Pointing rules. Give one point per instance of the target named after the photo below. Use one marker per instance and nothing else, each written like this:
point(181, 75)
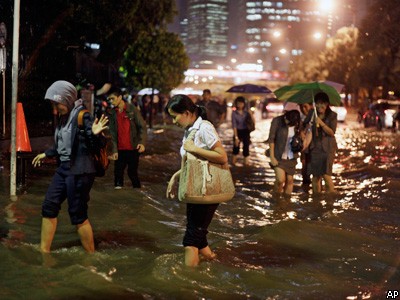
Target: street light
point(293, 46)
point(317, 35)
point(327, 5)
point(276, 34)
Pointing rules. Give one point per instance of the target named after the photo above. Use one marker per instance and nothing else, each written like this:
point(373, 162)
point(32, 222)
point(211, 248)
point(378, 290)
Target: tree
point(307, 67)
point(73, 24)
point(155, 60)
point(341, 55)
point(337, 62)
point(56, 34)
point(368, 71)
point(380, 37)
point(341, 58)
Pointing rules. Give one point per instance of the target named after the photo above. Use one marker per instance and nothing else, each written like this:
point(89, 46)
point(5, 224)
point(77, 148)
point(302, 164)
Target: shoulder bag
point(250, 122)
point(204, 182)
point(297, 143)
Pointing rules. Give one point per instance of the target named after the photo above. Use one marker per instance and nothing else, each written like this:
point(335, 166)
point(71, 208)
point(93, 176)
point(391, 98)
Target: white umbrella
point(291, 106)
point(336, 85)
point(148, 91)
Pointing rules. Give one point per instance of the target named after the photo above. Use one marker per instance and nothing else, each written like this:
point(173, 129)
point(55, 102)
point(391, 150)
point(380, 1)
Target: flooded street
point(343, 246)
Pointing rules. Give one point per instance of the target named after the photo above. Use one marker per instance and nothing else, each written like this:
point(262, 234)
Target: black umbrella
point(249, 89)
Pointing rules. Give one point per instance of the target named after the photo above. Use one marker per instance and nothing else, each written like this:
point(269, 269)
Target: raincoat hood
point(62, 92)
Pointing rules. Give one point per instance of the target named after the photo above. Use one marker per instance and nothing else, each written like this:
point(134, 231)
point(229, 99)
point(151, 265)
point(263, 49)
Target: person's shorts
point(74, 188)
point(288, 165)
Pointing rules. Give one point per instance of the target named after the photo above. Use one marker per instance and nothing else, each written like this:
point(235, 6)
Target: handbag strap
point(206, 176)
point(204, 164)
point(191, 135)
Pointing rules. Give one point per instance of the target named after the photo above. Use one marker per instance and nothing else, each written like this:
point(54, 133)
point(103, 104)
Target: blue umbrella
point(249, 89)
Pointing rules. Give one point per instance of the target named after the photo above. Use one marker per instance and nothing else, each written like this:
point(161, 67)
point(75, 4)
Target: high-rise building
point(207, 31)
point(179, 25)
point(278, 30)
point(268, 34)
point(237, 27)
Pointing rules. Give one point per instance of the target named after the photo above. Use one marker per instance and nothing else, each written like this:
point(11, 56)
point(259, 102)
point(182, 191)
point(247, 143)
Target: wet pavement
point(342, 246)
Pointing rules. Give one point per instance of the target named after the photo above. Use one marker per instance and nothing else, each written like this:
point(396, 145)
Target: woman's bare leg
point(49, 226)
point(191, 256)
point(85, 232)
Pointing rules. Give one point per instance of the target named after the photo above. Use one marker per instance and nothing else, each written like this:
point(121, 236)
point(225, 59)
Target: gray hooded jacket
point(72, 144)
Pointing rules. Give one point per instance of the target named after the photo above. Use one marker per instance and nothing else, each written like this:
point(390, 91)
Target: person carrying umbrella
point(304, 155)
point(323, 145)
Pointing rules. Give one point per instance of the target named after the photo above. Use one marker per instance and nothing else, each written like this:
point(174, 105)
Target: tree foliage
point(49, 28)
point(336, 62)
point(341, 57)
point(380, 41)
point(54, 35)
point(366, 58)
point(307, 67)
point(156, 60)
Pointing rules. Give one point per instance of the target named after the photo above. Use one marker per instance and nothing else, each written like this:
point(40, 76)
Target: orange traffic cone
point(23, 143)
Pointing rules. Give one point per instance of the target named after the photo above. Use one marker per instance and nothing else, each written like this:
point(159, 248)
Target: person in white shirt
point(206, 144)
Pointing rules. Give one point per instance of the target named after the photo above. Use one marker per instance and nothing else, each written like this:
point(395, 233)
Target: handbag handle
point(191, 135)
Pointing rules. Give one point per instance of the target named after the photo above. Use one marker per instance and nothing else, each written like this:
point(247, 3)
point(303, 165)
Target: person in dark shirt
point(396, 119)
point(323, 145)
point(283, 159)
point(214, 110)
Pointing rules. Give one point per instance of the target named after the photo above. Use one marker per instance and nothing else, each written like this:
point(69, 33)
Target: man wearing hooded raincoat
point(75, 174)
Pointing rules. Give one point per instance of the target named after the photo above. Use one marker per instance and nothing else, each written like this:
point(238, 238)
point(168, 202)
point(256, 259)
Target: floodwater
point(343, 246)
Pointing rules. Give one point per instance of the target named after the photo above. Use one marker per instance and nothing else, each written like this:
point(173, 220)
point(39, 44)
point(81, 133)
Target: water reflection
point(302, 247)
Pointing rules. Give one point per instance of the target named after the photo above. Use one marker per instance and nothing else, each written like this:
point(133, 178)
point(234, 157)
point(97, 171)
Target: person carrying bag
point(202, 181)
point(201, 150)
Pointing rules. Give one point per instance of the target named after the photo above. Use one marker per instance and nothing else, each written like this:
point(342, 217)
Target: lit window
point(254, 17)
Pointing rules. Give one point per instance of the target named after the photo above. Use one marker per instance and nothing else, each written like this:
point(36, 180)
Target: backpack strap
point(80, 117)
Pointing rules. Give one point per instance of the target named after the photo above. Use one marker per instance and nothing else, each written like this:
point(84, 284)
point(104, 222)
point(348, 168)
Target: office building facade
point(207, 31)
point(276, 31)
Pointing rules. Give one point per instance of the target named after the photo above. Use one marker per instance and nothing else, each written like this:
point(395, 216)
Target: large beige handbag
point(203, 182)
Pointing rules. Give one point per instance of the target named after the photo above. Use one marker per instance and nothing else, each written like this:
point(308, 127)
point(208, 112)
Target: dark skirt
point(321, 162)
point(288, 165)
